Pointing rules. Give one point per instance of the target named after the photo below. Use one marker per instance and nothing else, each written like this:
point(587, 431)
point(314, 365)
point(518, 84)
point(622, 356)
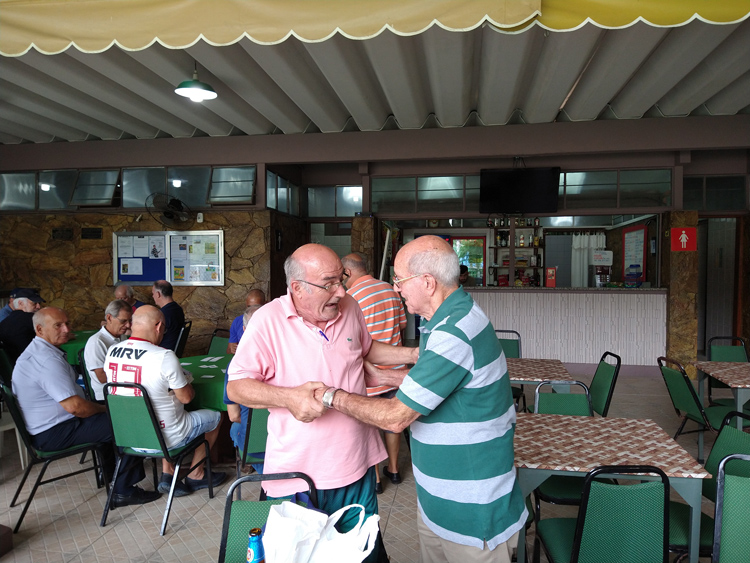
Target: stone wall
point(76, 274)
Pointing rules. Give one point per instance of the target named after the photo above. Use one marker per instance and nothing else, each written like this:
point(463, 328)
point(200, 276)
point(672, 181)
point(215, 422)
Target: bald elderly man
point(255, 298)
point(314, 337)
point(169, 388)
point(125, 293)
point(56, 414)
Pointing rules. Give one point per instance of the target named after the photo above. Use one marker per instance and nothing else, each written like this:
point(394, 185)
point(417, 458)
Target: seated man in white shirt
point(169, 388)
point(117, 318)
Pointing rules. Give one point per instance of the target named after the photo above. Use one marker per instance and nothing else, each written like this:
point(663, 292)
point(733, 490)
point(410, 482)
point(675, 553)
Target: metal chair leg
point(20, 486)
point(110, 495)
point(170, 497)
point(31, 496)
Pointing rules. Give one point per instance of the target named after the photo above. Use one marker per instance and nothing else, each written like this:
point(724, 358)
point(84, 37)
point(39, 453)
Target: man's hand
point(303, 405)
point(414, 354)
point(232, 348)
point(375, 377)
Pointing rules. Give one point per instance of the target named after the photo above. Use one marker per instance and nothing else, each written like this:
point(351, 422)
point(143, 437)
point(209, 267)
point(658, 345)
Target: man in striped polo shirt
point(385, 319)
point(458, 401)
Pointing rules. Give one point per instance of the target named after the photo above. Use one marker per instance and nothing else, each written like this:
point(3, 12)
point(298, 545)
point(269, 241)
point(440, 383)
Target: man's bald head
point(255, 297)
point(431, 255)
point(148, 324)
point(52, 324)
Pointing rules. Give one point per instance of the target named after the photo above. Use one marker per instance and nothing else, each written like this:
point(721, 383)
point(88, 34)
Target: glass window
point(692, 193)
point(139, 183)
point(294, 200)
point(55, 188)
point(348, 200)
point(189, 184)
point(440, 193)
point(645, 188)
point(586, 190)
point(472, 193)
point(271, 180)
point(282, 195)
point(321, 202)
point(396, 195)
point(18, 190)
point(233, 185)
point(725, 193)
point(95, 187)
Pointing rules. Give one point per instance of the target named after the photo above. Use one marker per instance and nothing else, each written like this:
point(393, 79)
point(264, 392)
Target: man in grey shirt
point(55, 412)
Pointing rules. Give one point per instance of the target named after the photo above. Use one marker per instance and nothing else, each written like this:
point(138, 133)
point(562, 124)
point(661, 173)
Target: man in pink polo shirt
point(314, 336)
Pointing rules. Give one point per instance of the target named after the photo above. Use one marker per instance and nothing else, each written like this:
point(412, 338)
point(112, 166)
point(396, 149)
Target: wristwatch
point(328, 397)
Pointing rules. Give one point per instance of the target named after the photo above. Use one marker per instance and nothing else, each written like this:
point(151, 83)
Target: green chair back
point(90, 395)
point(731, 524)
point(15, 413)
point(727, 352)
point(681, 391)
point(603, 385)
point(179, 348)
point(510, 340)
point(623, 523)
point(256, 435)
point(240, 516)
point(729, 441)
point(218, 346)
point(572, 404)
point(134, 423)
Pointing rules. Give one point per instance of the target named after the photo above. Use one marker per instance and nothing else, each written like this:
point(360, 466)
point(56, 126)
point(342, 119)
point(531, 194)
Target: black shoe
point(394, 477)
point(217, 478)
point(180, 488)
point(136, 496)
point(379, 488)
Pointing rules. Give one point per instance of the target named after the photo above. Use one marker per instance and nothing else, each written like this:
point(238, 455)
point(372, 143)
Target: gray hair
point(115, 307)
point(18, 301)
point(128, 290)
point(249, 312)
point(294, 270)
point(441, 265)
point(355, 261)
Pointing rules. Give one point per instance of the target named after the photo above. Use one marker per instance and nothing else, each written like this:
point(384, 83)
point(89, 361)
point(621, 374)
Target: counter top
point(569, 289)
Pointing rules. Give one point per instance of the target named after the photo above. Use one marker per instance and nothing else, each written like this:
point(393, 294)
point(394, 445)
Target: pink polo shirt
point(279, 348)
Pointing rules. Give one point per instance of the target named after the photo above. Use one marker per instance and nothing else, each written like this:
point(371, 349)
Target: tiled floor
point(62, 524)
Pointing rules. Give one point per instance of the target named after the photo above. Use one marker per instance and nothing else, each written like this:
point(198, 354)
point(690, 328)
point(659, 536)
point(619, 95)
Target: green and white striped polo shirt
point(462, 445)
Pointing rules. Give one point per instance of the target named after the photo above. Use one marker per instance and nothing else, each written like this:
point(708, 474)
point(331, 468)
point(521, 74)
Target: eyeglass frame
point(398, 281)
point(331, 287)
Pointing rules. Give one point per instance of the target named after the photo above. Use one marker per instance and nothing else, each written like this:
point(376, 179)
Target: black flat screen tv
point(519, 190)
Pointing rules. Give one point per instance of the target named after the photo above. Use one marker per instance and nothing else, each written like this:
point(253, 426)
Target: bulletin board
point(180, 257)
point(634, 250)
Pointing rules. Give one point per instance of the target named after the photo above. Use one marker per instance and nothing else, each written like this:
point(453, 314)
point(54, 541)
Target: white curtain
point(583, 246)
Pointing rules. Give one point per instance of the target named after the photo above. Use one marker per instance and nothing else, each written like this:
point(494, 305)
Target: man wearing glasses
point(459, 406)
point(315, 337)
point(117, 318)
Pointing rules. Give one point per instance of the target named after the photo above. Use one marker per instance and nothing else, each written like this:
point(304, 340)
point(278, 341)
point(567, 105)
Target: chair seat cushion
point(79, 447)
point(557, 535)
point(561, 489)
point(246, 515)
point(679, 528)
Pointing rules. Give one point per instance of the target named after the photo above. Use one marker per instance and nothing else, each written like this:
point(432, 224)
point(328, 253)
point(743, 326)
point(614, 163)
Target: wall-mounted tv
point(519, 190)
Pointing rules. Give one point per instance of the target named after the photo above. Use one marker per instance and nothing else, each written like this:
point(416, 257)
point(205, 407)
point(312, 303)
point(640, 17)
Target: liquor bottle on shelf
point(536, 221)
point(522, 242)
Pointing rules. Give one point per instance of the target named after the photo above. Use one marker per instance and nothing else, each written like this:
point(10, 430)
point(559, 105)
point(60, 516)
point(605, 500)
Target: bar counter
point(578, 325)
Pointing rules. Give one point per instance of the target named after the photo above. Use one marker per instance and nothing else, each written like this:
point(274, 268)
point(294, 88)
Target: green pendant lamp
point(194, 89)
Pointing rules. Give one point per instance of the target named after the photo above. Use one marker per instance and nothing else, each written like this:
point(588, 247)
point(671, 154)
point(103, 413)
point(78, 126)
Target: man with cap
point(17, 330)
point(8, 309)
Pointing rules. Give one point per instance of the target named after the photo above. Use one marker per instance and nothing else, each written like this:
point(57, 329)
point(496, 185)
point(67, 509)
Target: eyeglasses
point(397, 282)
point(331, 287)
point(123, 321)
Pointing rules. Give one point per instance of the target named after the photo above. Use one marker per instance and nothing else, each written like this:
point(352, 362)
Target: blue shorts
point(203, 420)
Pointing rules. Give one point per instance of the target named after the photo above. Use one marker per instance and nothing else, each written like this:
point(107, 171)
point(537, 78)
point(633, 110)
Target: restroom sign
point(684, 238)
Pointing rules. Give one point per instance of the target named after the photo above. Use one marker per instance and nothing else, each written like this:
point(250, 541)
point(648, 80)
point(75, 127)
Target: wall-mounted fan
point(170, 211)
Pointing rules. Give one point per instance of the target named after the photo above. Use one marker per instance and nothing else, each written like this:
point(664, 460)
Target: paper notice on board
point(131, 267)
point(125, 247)
point(178, 273)
point(140, 246)
point(156, 247)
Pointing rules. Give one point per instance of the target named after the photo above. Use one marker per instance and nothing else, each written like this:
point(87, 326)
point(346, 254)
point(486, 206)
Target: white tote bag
point(353, 546)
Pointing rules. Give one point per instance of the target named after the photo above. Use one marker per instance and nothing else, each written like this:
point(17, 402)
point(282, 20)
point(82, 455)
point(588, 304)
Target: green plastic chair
point(732, 526)
point(240, 516)
point(687, 405)
point(134, 425)
point(510, 340)
point(37, 456)
point(179, 348)
point(6, 367)
point(623, 523)
point(219, 342)
point(256, 434)
point(729, 441)
point(571, 404)
point(726, 352)
point(88, 391)
point(603, 384)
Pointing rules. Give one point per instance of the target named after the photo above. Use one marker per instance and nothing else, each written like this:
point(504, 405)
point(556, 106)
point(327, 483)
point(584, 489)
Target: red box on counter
point(550, 277)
